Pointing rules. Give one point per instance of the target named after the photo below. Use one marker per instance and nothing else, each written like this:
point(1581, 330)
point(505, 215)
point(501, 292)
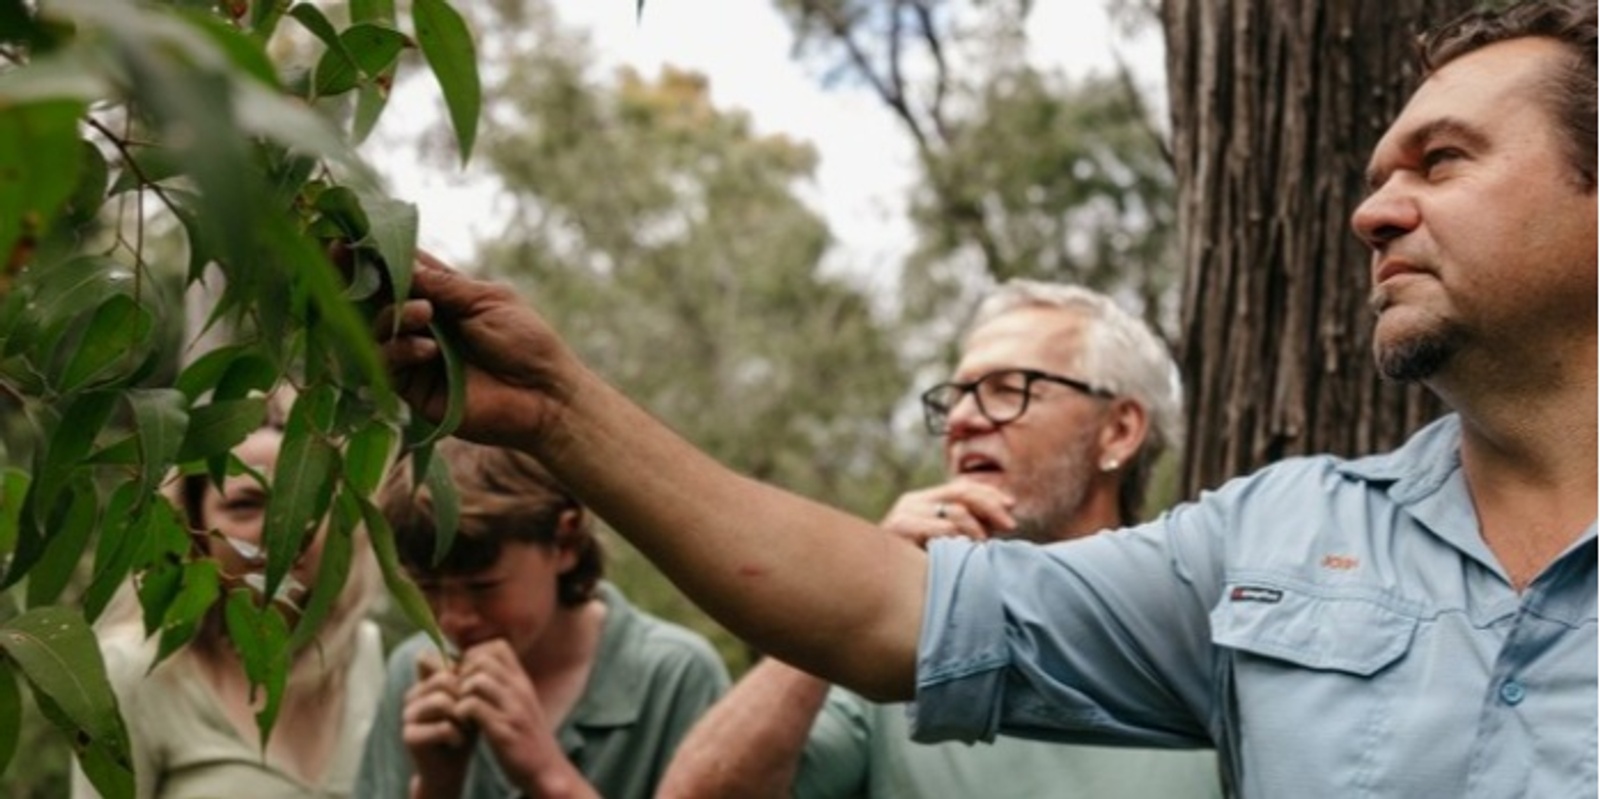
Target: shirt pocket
point(1326, 632)
point(1312, 677)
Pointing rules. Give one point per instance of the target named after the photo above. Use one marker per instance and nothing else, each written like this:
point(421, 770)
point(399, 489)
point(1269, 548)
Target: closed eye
point(1438, 156)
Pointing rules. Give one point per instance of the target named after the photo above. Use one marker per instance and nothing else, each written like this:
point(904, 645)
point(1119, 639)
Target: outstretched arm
point(817, 587)
point(749, 744)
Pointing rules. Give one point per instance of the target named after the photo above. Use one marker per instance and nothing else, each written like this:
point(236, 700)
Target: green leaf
point(216, 428)
point(245, 52)
point(201, 587)
point(136, 532)
point(114, 344)
point(371, 49)
point(446, 507)
point(70, 526)
point(302, 483)
point(55, 650)
point(90, 193)
point(70, 444)
point(317, 23)
point(402, 590)
point(10, 713)
point(158, 587)
point(161, 418)
point(341, 205)
point(13, 490)
point(250, 372)
point(447, 45)
point(261, 637)
point(338, 552)
point(264, 16)
point(377, 11)
point(366, 457)
point(394, 231)
point(202, 375)
point(418, 433)
point(39, 163)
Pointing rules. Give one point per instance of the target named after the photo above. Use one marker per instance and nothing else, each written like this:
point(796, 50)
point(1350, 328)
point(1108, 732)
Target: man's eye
point(1438, 156)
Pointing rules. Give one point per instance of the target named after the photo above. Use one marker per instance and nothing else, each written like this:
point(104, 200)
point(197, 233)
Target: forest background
point(678, 245)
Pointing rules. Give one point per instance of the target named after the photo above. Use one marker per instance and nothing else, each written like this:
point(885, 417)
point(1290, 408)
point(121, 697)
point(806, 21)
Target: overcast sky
point(743, 48)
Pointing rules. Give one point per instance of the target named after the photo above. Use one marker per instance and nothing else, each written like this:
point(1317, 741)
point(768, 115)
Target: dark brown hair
point(505, 496)
point(1568, 90)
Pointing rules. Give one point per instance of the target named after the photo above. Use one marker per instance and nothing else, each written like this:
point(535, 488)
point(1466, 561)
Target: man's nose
point(966, 419)
point(1387, 214)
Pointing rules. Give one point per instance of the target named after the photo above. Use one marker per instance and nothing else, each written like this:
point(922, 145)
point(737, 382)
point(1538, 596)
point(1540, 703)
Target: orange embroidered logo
point(1342, 563)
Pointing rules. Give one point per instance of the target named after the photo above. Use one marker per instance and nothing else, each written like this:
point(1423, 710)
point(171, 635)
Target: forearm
point(792, 576)
point(750, 743)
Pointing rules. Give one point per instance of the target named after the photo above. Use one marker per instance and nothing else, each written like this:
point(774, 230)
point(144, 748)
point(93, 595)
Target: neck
point(569, 642)
point(1097, 512)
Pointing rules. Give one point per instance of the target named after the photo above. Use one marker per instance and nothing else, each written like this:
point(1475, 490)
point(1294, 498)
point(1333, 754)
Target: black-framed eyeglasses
point(1002, 396)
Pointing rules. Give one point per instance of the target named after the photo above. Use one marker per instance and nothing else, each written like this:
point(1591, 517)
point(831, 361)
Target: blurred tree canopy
point(667, 239)
point(1023, 172)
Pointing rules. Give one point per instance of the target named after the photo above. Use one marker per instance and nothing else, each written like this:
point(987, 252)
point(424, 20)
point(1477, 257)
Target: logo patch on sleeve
point(1254, 593)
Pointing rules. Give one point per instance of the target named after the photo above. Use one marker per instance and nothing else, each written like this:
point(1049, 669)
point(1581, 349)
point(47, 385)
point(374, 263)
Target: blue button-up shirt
point(1335, 628)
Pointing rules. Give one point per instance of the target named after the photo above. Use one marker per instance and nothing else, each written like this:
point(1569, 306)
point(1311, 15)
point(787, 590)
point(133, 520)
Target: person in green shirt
point(556, 686)
point(1058, 409)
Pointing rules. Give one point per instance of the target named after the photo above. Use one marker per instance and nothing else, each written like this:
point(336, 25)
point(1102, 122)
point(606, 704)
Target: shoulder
point(655, 643)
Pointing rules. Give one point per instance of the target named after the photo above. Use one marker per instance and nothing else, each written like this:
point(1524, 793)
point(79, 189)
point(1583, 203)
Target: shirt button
point(1512, 692)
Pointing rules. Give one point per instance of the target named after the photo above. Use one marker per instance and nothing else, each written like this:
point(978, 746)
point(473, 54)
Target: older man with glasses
point(1058, 409)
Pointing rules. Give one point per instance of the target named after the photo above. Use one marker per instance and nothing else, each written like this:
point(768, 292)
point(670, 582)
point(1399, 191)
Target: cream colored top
point(184, 746)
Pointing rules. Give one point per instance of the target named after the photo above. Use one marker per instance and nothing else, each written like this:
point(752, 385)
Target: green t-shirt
point(650, 681)
point(863, 749)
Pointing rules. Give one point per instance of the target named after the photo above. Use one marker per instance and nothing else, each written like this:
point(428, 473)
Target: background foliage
point(231, 126)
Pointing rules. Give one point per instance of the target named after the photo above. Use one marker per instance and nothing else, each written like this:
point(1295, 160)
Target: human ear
point(1122, 433)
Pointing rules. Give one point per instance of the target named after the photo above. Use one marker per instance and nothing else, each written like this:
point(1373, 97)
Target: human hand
point(956, 508)
point(516, 368)
point(436, 737)
point(501, 701)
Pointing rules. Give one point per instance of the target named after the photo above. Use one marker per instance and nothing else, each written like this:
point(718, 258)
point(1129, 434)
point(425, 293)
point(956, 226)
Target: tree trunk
point(1276, 106)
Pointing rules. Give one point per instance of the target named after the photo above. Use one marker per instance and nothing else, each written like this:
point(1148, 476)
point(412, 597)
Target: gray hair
point(1120, 353)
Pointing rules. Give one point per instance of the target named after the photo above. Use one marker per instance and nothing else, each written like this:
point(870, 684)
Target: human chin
point(1413, 355)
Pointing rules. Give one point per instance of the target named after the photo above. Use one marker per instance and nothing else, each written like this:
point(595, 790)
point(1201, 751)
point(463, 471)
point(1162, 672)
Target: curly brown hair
point(505, 496)
point(1568, 90)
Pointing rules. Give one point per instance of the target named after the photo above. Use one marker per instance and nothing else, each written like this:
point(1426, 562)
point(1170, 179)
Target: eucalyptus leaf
point(218, 427)
point(372, 49)
point(333, 571)
point(10, 713)
point(413, 605)
point(302, 484)
point(70, 525)
point(55, 650)
point(113, 554)
point(446, 507)
point(13, 490)
point(366, 456)
point(117, 335)
point(261, 637)
point(394, 232)
point(201, 585)
point(161, 419)
point(447, 45)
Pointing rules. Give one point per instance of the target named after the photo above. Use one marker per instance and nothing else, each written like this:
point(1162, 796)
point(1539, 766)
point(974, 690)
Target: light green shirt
point(859, 748)
point(184, 747)
point(651, 680)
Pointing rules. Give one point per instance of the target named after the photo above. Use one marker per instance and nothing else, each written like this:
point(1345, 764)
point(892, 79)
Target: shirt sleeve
point(833, 764)
point(1102, 640)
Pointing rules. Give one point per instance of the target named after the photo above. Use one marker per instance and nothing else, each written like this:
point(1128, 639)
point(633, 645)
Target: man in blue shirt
point(1415, 624)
